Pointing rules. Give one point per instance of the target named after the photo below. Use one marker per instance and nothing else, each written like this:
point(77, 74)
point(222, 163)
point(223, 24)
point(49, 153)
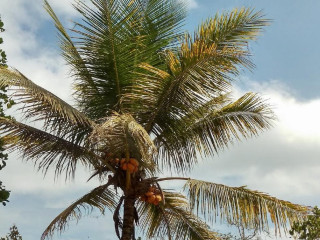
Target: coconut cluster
point(132, 165)
point(153, 196)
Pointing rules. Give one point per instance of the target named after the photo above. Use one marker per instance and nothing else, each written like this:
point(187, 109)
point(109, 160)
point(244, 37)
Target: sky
point(283, 161)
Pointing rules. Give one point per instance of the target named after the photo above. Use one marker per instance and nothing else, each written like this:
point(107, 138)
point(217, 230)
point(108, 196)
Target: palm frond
point(197, 71)
point(141, 99)
point(40, 104)
point(175, 218)
point(120, 133)
point(107, 45)
point(112, 39)
point(161, 24)
point(197, 74)
point(205, 63)
point(99, 53)
point(234, 29)
point(71, 54)
point(45, 149)
point(211, 127)
point(100, 198)
point(252, 209)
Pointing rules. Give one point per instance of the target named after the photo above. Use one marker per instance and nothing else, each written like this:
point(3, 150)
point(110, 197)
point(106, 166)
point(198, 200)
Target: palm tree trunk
point(128, 218)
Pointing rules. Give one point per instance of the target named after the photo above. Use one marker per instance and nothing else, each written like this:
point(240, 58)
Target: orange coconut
point(151, 198)
point(148, 194)
point(134, 162)
point(130, 167)
point(125, 166)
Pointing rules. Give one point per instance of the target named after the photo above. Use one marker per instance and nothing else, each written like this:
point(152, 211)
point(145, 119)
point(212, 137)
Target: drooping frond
point(45, 149)
point(173, 219)
point(40, 104)
point(121, 133)
point(211, 127)
point(71, 54)
point(99, 198)
point(252, 209)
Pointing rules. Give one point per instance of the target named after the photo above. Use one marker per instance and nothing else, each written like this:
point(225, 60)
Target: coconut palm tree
point(149, 98)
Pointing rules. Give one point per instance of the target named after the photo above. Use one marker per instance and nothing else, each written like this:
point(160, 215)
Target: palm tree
point(149, 98)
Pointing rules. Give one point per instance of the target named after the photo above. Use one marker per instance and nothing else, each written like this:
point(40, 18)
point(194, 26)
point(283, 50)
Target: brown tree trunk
point(128, 218)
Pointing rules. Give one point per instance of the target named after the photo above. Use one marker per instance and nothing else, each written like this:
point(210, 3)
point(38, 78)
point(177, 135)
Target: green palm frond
point(99, 53)
point(112, 39)
point(161, 28)
point(234, 29)
point(202, 66)
point(210, 128)
point(107, 43)
point(252, 209)
point(197, 74)
point(120, 133)
point(45, 149)
point(141, 99)
point(40, 104)
point(174, 218)
point(99, 198)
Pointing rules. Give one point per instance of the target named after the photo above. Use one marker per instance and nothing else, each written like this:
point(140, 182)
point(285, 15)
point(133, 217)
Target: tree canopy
point(150, 98)
point(13, 234)
point(309, 228)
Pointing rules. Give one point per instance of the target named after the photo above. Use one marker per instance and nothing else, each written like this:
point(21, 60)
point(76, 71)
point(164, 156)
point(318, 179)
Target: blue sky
point(288, 50)
point(283, 161)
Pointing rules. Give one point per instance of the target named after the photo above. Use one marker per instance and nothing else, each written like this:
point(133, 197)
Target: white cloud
point(27, 52)
point(297, 119)
point(283, 161)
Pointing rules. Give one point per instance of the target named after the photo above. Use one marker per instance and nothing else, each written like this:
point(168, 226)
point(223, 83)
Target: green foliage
point(308, 229)
point(4, 194)
point(3, 56)
point(5, 102)
point(13, 234)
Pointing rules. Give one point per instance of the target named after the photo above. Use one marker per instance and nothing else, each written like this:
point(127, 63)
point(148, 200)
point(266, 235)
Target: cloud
point(283, 161)
point(297, 118)
point(25, 24)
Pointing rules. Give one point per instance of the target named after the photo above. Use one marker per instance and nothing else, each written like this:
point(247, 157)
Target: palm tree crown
point(149, 97)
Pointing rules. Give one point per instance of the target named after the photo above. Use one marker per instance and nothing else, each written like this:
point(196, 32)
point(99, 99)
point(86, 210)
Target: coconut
point(159, 198)
point(130, 167)
point(134, 162)
point(125, 166)
point(151, 198)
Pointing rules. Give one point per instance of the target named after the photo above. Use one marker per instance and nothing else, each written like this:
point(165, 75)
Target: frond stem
point(114, 56)
point(172, 178)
